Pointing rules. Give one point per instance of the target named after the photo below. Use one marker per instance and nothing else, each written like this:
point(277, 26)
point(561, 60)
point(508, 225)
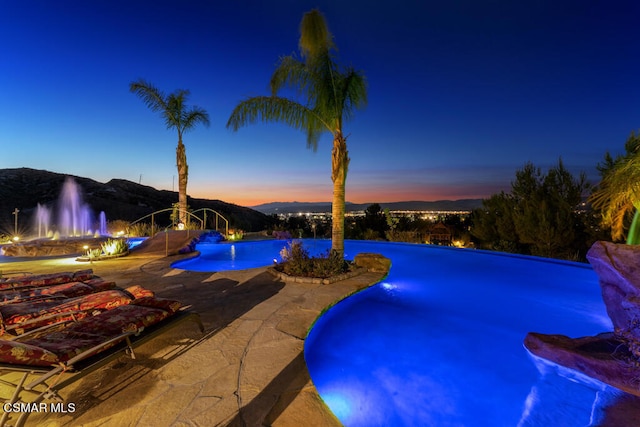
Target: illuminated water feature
point(439, 341)
point(74, 217)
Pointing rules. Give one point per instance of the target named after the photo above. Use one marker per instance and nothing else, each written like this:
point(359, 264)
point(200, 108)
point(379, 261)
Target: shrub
point(284, 235)
point(115, 247)
point(331, 264)
point(235, 234)
point(141, 229)
point(94, 253)
point(297, 262)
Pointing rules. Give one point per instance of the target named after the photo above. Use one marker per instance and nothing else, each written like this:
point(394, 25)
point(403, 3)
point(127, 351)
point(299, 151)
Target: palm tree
point(618, 194)
point(176, 115)
point(329, 96)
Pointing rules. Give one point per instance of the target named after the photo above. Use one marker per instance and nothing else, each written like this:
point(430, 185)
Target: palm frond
point(278, 109)
point(172, 114)
point(353, 90)
point(150, 95)
point(618, 194)
point(193, 117)
point(315, 36)
point(327, 94)
point(290, 73)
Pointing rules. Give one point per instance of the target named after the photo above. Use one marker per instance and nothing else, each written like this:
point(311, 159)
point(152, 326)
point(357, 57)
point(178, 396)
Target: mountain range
point(25, 188)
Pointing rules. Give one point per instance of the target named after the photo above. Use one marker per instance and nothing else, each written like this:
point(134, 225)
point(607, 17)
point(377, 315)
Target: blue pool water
point(439, 341)
point(244, 254)
point(135, 241)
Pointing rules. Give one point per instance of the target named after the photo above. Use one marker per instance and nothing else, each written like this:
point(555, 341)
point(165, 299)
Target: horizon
point(314, 202)
point(461, 95)
point(365, 203)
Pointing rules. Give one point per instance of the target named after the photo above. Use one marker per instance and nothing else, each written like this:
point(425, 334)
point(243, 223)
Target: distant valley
point(440, 205)
point(24, 188)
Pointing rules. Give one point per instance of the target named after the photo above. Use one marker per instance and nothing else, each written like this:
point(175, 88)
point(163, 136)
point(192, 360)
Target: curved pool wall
point(440, 341)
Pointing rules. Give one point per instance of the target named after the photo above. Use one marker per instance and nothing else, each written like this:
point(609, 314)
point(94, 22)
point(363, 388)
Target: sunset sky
point(461, 93)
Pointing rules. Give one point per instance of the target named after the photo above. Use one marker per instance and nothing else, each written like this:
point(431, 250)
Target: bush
point(115, 247)
point(297, 262)
point(94, 253)
point(331, 264)
point(141, 229)
point(277, 234)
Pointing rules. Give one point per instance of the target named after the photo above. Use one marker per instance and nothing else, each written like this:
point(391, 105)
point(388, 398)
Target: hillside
point(24, 188)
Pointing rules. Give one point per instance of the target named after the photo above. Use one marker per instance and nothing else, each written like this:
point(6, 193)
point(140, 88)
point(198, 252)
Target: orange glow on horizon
point(360, 197)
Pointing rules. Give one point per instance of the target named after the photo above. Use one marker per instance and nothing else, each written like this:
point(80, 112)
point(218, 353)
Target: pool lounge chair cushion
point(139, 292)
point(63, 290)
point(66, 290)
point(101, 332)
point(19, 353)
point(36, 280)
point(29, 311)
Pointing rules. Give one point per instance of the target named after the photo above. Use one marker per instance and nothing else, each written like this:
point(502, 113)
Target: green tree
point(617, 196)
point(374, 222)
point(176, 114)
point(493, 224)
point(546, 209)
point(538, 217)
point(328, 95)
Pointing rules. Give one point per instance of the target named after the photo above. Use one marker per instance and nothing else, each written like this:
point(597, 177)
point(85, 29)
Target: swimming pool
point(135, 241)
point(244, 254)
point(440, 341)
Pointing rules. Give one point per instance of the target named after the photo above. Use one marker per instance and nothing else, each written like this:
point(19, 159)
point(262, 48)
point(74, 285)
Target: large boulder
point(50, 248)
point(618, 268)
point(372, 262)
point(613, 357)
point(603, 357)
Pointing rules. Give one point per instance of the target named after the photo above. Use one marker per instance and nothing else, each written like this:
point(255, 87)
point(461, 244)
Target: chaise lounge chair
point(19, 317)
point(81, 348)
point(40, 280)
point(63, 290)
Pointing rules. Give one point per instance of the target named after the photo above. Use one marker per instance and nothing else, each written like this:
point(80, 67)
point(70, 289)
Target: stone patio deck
point(247, 370)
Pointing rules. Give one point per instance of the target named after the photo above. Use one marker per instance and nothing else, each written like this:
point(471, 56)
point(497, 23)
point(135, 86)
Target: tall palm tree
point(328, 95)
point(618, 194)
point(176, 115)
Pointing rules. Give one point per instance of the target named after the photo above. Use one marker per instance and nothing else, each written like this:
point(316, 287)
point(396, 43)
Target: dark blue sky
point(461, 93)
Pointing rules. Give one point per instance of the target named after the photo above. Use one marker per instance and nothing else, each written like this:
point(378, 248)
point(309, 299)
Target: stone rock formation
point(604, 357)
point(618, 267)
point(614, 357)
point(48, 247)
point(376, 263)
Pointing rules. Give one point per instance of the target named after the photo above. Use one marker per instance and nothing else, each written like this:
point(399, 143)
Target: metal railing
point(218, 216)
point(202, 222)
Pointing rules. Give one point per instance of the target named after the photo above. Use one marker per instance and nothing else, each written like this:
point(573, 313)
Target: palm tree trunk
point(340, 165)
point(183, 176)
